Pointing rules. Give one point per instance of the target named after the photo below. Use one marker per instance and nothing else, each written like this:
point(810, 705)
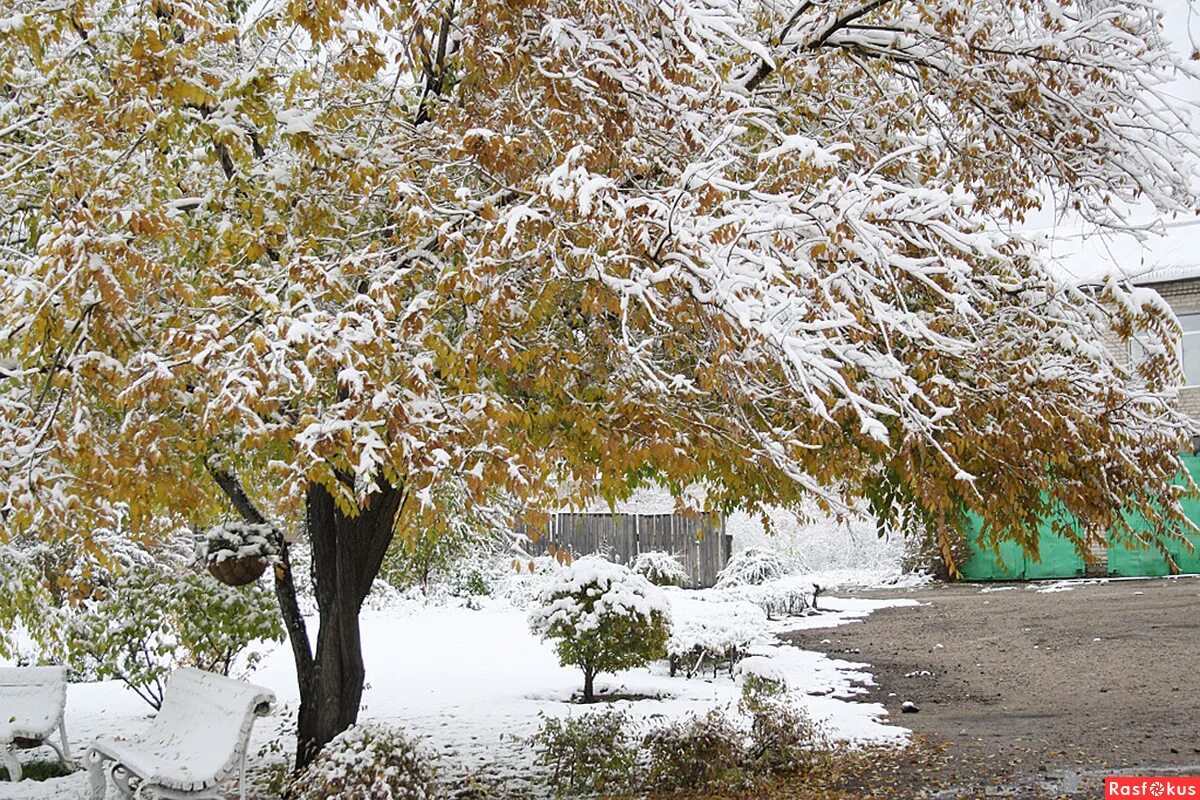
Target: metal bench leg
point(63, 751)
point(95, 767)
point(12, 762)
point(66, 748)
point(127, 783)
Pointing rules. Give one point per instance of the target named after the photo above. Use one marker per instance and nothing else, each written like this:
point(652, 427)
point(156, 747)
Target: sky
point(1085, 254)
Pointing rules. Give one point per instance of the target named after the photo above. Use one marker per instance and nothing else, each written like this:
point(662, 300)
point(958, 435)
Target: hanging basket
point(238, 571)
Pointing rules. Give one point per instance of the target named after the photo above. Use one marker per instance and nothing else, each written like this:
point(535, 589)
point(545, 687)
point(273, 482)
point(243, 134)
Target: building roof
point(1168, 274)
point(1169, 252)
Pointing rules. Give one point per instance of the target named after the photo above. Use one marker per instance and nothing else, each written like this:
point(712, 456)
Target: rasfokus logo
point(1138, 786)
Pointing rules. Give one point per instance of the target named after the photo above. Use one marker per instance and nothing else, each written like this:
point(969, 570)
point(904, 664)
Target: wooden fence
point(700, 542)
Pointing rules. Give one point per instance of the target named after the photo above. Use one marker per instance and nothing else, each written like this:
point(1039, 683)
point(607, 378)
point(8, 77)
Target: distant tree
point(417, 554)
point(311, 260)
point(602, 617)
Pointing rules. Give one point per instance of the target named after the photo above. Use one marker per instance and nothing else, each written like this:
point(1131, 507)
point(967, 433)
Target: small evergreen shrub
point(589, 754)
point(698, 753)
point(661, 569)
point(473, 584)
point(751, 567)
point(367, 762)
point(602, 617)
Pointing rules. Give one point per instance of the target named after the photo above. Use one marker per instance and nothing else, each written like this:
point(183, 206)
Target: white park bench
point(198, 739)
point(32, 701)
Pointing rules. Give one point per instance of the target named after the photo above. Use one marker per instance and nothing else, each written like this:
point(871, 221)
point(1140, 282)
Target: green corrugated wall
point(1058, 558)
point(1148, 561)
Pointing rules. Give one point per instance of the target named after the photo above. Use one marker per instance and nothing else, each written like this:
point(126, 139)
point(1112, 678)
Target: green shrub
point(473, 584)
point(603, 618)
point(367, 762)
point(599, 754)
point(589, 754)
point(151, 621)
point(28, 603)
point(783, 737)
point(698, 753)
point(429, 550)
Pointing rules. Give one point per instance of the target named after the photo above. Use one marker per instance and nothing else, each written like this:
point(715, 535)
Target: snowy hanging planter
point(237, 553)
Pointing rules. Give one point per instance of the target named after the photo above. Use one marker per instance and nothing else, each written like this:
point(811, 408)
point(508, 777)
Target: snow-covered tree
point(153, 620)
point(311, 260)
point(602, 617)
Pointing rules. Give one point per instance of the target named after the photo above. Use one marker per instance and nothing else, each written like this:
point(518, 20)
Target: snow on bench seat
point(32, 702)
point(198, 739)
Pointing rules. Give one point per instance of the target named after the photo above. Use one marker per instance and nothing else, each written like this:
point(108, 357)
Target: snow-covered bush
point(472, 584)
point(589, 754)
point(521, 582)
point(661, 569)
point(788, 596)
point(430, 552)
point(480, 572)
point(151, 621)
point(603, 617)
point(696, 754)
point(751, 567)
point(236, 539)
point(367, 762)
point(711, 633)
point(44, 577)
point(814, 541)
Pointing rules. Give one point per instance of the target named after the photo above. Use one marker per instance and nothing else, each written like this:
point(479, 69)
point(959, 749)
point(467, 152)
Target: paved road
point(1039, 691)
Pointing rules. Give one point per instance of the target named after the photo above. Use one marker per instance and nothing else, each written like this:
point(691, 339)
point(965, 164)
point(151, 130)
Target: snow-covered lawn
point(473, 682)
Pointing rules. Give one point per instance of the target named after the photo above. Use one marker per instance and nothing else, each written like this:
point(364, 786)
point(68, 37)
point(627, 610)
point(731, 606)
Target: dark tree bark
point(285, 587)
point(589, 682)
point(347, 552)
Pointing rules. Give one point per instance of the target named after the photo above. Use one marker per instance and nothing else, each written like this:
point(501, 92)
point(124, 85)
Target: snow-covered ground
point(472, 683)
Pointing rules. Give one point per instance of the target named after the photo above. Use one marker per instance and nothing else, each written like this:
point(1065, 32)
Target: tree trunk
point(589, 680)
point(347, 553)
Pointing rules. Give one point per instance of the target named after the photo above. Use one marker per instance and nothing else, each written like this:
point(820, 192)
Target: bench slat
point(199, 736)
point(32, 701)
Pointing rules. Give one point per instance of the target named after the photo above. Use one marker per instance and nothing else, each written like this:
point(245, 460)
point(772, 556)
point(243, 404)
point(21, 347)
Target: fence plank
point(699, 542)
